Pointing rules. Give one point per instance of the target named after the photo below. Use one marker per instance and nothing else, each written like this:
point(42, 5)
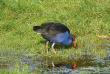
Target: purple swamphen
point(55, 33)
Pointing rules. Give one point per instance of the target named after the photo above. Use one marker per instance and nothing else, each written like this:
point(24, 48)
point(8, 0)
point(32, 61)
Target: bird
point(55, 33)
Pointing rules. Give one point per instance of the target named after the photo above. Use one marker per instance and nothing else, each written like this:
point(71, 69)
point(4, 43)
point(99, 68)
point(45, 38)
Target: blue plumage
point(62, 38)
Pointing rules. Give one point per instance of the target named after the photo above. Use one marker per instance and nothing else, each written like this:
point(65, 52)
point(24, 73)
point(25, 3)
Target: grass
point(87, 19)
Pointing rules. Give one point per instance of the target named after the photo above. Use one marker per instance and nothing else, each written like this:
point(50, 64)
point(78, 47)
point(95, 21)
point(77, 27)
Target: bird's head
point(73, 37)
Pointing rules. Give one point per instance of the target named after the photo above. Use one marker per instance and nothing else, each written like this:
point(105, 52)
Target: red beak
point(74, 42)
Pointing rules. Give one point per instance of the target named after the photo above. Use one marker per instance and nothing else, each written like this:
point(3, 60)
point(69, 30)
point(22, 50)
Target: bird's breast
point(62, 38)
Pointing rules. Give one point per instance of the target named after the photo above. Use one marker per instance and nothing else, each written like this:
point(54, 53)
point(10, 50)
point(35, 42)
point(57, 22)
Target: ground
point(87, 19)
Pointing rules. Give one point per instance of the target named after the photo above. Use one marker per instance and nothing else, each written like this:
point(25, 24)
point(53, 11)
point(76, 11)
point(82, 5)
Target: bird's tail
point(37, 29)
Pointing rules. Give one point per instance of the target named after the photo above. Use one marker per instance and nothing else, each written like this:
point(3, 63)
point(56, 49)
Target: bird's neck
point(70, 40)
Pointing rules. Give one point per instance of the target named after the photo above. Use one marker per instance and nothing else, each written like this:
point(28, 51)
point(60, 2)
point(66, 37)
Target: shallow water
point(86, 63)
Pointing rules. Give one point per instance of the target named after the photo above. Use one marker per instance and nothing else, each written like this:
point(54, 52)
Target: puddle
point(84, 64)
point(43, 64)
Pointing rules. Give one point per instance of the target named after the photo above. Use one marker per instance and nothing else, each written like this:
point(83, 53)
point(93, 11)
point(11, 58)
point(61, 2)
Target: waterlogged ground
point(85, 63)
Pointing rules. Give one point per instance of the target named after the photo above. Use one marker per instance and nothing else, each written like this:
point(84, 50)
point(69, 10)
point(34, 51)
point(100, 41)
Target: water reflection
point(60, 65)
point(84, 63)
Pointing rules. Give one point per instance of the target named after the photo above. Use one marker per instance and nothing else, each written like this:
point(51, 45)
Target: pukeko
point(55, 33)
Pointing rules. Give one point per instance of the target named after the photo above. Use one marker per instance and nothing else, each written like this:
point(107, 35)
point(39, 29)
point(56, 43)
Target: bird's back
point(53, 29)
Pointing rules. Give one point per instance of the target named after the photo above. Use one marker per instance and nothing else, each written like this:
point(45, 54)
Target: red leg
point(53, 47)
point(47, 46)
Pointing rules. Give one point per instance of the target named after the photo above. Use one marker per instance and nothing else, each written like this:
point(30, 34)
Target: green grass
point(87, 19)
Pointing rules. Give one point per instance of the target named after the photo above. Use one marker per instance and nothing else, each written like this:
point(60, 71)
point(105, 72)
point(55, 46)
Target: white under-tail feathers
point(38, 33)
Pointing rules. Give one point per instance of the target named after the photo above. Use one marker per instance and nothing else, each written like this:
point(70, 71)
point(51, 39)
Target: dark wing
point(52, 29)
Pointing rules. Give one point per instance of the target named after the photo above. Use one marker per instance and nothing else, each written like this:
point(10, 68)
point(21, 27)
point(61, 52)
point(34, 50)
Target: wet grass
point(87, 19)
